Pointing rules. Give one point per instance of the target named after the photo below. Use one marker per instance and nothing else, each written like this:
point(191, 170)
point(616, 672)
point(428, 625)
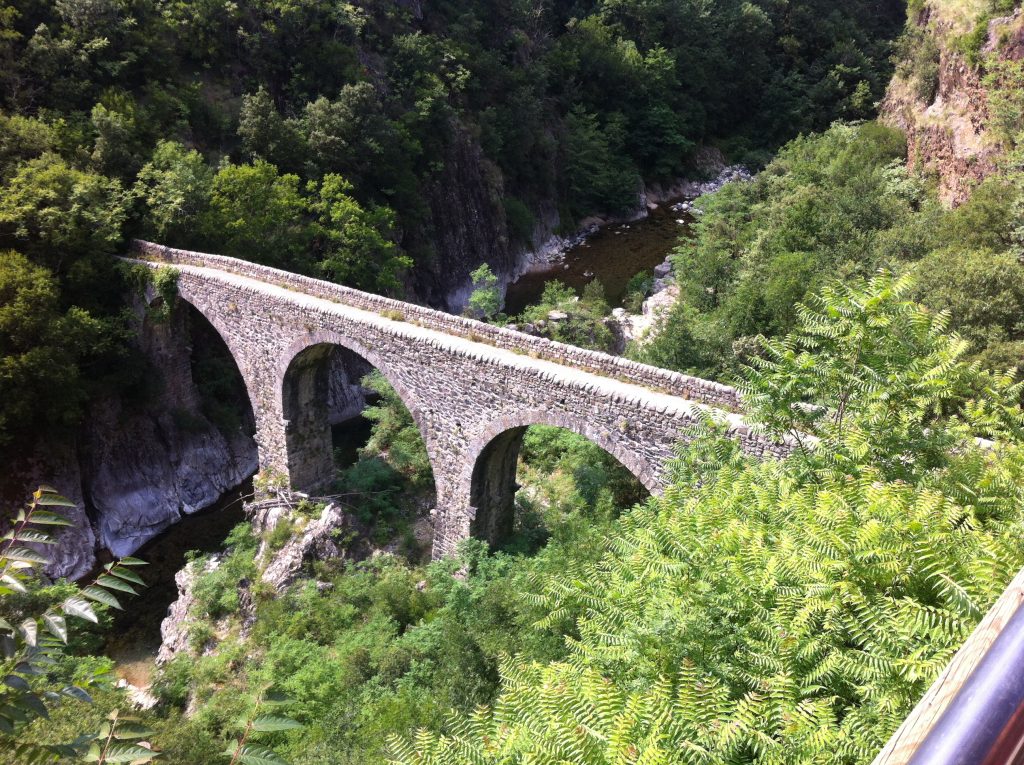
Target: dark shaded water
point(136, 633)
point(613, 255)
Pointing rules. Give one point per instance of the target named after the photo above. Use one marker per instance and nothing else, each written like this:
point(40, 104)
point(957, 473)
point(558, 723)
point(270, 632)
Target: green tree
point(485, 299)
point(600, 175)
point(258, 214)
point(175, 187)
point(42, 347)
point(355, 245)
point(876, 379)
point(59, 216)
point(266, 134)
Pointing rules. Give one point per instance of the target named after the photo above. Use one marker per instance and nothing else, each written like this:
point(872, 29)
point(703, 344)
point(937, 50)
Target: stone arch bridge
point(472, 388)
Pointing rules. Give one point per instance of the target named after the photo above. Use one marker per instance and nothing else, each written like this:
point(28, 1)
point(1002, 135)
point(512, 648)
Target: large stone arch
point(487, 479)
point(307, 439)
point(233, 344)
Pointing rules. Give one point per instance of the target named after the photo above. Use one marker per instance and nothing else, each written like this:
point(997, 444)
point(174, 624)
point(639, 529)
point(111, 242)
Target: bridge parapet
point(684, 386)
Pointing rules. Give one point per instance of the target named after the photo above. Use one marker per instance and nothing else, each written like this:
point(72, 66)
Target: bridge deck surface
point(564, 373)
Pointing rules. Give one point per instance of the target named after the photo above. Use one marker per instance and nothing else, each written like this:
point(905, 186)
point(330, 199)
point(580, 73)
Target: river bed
point(135, 636)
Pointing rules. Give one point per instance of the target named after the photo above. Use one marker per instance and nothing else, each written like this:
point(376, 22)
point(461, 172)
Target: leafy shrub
point(782, 611)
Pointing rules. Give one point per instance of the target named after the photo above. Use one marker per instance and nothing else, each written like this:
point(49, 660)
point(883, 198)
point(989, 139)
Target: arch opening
point(353, 436)
point(199, 377)
point(532, 482)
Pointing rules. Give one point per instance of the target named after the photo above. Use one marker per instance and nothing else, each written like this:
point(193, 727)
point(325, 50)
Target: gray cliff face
point(144, 467)
point(135, 468)
point(467, 225)
point(143, 472)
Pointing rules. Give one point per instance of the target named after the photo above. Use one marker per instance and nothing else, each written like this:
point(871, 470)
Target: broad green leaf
point(32, 703)
point(128, 576)
point(17, 682)
point(44, 518)
point(252, 754)
point(113, 583)
point(271, 723)
point(26, 555)
point(74, 692)
point(127, 731)
point(37, 536)
point(101, 596)
point(76, 606)
point(13, 582)
point(128, 753)
point(29, 630)
point(54, 500)
point(57, 625)
point(129, 561)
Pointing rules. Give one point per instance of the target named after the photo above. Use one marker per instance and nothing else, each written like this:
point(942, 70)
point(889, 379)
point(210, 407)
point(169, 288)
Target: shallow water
point(613, 255)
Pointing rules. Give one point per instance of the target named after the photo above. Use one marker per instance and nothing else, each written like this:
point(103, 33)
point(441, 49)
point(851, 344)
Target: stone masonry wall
point(706, 391)
point(462, 392)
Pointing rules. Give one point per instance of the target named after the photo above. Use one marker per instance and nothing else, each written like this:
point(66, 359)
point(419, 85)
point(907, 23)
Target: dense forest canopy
point(842, 204)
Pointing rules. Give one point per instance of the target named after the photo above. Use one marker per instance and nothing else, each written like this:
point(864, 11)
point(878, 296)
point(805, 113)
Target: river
point(613, 255)
point(135, 637)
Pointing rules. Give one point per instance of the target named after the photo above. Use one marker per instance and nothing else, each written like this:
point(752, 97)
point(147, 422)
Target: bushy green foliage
point(384, 647)
point(485, 300)
point(355, 245)
point(601, 177)
point(784, 611)
point(838, 205)
point(174, 186)
point(216, 593)
point(865, 349)
point(395, 433)
point(584, 321)
point(61, 305)
point(34, 631)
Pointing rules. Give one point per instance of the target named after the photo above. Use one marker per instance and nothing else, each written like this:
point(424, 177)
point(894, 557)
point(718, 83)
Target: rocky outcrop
point(313, 539)
point(943, 106)
point(174, 629)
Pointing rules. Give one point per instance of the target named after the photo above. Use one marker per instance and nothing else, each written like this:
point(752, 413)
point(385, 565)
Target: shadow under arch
point(489, 477)
point(217, 375)
point(304, 381)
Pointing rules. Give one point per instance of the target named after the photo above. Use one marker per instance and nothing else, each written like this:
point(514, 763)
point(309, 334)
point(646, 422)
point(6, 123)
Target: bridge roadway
point(471, 388)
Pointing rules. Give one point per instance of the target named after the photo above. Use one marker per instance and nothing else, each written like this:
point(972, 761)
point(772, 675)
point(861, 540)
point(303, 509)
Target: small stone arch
point(488, 475)
point(309, 453)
